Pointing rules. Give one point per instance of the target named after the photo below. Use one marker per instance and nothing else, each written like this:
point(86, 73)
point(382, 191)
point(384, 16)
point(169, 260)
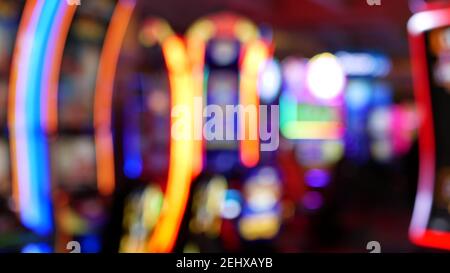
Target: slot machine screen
point(438, 53)
point(74, 159)
point(222, 90)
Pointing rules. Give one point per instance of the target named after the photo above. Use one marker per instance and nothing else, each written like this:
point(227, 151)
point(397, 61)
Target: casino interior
point(273, 126)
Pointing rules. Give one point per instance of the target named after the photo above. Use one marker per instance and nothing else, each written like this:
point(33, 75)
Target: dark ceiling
point(306, 26)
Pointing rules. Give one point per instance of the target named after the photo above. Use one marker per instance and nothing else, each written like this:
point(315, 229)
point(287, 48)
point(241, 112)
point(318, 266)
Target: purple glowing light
point(317, 178)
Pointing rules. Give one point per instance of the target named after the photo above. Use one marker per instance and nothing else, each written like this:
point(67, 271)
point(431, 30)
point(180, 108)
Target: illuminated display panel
point(311, 108)
point(222, 87)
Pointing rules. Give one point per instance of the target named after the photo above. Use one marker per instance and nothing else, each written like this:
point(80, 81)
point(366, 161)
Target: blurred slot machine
point(79, 204)
point(366, 98)
point(15, 237)
point(429, 31)
point(311, 117)
point(143, 133)
point(235, 196)
point(152, 161)
point(312, 126)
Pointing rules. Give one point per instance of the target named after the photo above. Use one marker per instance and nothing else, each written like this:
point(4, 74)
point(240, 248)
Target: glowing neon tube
point(256, 54)
point(104, 95)
point(179, 180)
point(34, 51)
point(419, 231)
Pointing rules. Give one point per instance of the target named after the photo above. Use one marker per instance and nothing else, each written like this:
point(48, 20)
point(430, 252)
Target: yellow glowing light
point(313, 130)
point(257, 53)
point(246, 31)
point(154, 31)
point(261, 226)
point(181, 149)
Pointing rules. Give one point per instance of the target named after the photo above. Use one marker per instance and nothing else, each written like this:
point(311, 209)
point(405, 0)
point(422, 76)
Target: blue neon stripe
point(39, 215)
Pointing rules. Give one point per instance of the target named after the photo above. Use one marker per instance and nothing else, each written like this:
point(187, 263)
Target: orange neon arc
point(256, 53)
point(176, 197)
point(104, 95)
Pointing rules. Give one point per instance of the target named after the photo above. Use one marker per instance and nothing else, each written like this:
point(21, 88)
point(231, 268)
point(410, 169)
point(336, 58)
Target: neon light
point(308, 121)
point(36, 248)
point(256, 54)
point(325, 77)
point(364, 64)
point(181, 149)
point(104, 95)
point(39, 29)
point(294, 76)
point(427, 20)
point(270, 81)
point(317, 178)
point(49, 103)
point(197, 37)
point(358, 95)
point(313, 130)
point(19, 54)
point(418, 230)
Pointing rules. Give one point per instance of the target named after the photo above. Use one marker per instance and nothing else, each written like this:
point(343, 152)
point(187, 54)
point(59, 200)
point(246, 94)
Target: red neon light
point(419, 233)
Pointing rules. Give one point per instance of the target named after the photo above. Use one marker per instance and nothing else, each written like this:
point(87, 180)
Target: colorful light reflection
point(39, 45)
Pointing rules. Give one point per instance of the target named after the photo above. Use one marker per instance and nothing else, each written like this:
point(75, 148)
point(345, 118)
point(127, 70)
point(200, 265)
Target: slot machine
point(51, 121)
point(312, 126)
point(429, 32)
point(81, 197)
point(311, 117)
point(366, 99)
point(152, 162)
point(227, 209)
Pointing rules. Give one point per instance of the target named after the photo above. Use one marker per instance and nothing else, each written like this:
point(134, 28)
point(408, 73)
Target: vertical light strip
point(19, 60)
point(197, 37)
point(104, 95)
point(255, 55)
point(49, 103)
point(177, 191)
point(29, 144)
